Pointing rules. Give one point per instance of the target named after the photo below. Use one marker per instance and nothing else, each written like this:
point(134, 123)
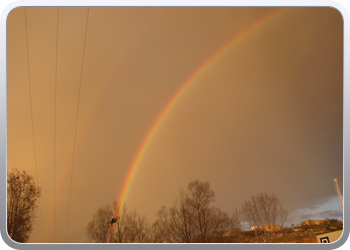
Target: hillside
point(306, 233)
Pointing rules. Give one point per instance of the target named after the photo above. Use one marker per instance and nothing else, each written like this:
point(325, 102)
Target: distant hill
point(306, 233)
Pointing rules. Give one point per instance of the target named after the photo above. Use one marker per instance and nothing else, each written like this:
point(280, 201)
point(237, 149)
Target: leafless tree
point(283, 215)
point(234, 234)
point(174, 224)
point(129, 227)
point(156, 234)
point(192, 218)
point(98, 230)
point(136, 228)
point(236, 220)
point(22, 195)
point(218, 225)
point(264, 211)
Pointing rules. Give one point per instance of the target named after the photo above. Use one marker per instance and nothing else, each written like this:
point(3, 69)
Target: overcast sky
point(267, 115)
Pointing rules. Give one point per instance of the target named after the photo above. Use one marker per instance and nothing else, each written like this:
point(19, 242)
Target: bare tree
point(192, 218)
point(98, 230)
point(136, 228)
point(217, 226)
point(283, 215)
point(156, 234)
point(22, 195)
point(175, 224)
point(236, 220)
point(129, 227)
point(263, 211)
point(198, 199)
point(235, 229)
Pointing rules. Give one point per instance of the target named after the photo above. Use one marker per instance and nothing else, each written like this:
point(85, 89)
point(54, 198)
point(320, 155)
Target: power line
point(31, 113)
point(76, 120)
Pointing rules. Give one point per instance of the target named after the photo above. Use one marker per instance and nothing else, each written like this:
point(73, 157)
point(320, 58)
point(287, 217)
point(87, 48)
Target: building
point(268, 228)
point(312, 222)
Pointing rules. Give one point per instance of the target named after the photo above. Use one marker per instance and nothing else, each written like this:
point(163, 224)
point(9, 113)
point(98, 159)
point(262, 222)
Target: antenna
point(338, 192)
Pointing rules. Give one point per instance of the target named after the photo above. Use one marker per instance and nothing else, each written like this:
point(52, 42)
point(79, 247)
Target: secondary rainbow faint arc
point(172, 102)
point(87, 115)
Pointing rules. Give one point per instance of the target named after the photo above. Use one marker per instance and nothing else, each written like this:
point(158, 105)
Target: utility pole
point(338, 192)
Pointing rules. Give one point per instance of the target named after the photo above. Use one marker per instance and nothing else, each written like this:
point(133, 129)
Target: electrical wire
point(76, 122)
point(31, 113)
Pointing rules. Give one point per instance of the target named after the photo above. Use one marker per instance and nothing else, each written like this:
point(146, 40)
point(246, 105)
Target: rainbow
point(176, 97)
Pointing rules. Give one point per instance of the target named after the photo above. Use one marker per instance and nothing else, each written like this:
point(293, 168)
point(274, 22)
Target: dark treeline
point(192, 219)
